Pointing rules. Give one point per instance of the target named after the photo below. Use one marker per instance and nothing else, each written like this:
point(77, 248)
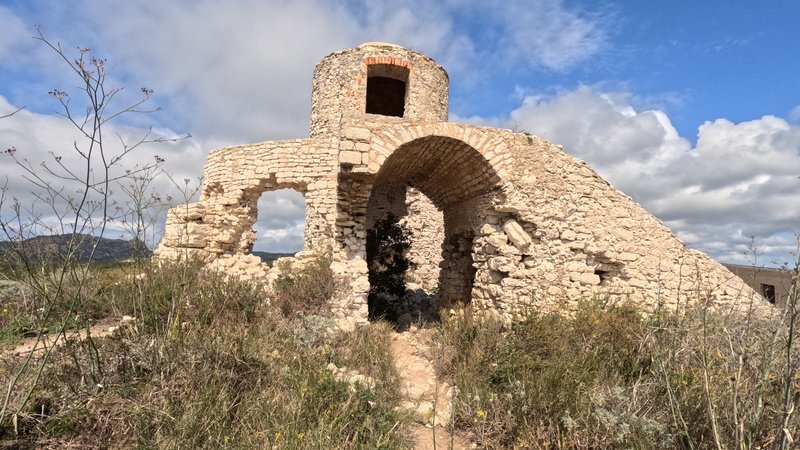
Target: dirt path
point(102, 328)
point(429, 398)
point(424, 439)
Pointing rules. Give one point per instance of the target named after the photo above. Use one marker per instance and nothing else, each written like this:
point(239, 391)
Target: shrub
point(306, 291)
point(387, 243)
point(550, 379)
point(606, 377)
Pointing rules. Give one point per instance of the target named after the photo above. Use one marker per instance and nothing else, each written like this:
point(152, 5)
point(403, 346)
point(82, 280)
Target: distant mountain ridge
point(57, 246)
point(270, 256)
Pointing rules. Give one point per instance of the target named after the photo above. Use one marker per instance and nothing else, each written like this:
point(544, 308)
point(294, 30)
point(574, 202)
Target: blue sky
point(692, 108)
point(698, 60)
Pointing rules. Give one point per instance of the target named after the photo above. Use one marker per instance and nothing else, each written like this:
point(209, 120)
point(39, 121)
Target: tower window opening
point(386, 89)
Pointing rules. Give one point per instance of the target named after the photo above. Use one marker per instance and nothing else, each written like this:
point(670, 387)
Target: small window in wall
point(386, 89)
point(768, 291)
point(280, 224)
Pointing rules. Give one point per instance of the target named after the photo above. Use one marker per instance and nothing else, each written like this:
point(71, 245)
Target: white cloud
point(15, 34)
point(280, 224)
point(43, 140)
point(241, 71)
point(794, 115)
point(548, 34)
point(739, 180)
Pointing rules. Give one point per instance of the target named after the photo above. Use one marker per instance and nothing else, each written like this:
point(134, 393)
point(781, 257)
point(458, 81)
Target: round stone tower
point(376, 78)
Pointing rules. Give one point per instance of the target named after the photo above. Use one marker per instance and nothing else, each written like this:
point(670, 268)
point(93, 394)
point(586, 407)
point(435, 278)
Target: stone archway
point(523, 224)
point(459, 183)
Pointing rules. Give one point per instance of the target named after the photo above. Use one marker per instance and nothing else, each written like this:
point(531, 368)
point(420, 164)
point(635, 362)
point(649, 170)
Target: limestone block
point(568, 235)
point(494, 291)
point(576, 245)
point(358, 134)
point(509, 250)
point(513, 283)
point(529, 261)
point(349, 157)
point(338, 268)
point(226, 238)
point(190, 212)
point(489, 229)
point(497, 240)
point(516, 234)
point(619, 212)
point(502, 264)
point(585, 278)
point(358, 265)
point(554, 291)
point(595, 248)
point(577, 266)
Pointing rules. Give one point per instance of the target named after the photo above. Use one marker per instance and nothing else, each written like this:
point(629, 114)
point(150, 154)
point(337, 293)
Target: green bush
point(388, 242)
point(550, 379)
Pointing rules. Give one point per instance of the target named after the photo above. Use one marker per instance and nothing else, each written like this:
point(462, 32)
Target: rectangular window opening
point(768, 291)
point(386, 89)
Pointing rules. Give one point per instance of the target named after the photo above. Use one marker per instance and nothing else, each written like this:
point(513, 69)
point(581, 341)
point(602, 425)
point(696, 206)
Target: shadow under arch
point(461, 183)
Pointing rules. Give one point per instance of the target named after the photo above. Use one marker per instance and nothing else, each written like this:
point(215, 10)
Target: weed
point(226, 371)
point(604, 376)
point(305, 291)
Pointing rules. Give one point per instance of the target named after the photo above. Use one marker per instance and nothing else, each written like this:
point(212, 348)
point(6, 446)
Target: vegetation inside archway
point(387, 243)
point(430, 176)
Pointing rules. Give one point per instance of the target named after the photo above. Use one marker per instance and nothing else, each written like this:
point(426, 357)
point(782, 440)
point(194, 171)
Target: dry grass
point(607, 377)
point(215, 363)
point(208, 365)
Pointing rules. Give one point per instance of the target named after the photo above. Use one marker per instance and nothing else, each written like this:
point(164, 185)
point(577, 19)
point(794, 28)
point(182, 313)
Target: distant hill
point(57, 246)
point(267, 256)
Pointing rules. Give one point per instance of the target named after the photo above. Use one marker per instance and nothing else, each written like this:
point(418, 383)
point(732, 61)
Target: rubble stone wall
point(426, 224)
point(219, 225)
point(501, 221)
point(340, 85)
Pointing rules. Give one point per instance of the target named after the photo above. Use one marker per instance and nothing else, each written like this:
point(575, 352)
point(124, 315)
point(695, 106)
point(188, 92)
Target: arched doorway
point(460, 184)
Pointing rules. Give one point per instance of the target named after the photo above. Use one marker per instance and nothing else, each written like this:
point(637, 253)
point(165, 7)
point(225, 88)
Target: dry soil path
point(429, 398)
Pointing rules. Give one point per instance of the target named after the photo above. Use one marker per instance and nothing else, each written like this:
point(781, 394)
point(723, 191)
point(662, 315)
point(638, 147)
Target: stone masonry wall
point(426, 224)
point(546, 229)
point(501, 221)
point(340, 85)
point(219, 226)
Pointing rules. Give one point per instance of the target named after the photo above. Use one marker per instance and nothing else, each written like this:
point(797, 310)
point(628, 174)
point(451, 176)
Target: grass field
point(215, 363)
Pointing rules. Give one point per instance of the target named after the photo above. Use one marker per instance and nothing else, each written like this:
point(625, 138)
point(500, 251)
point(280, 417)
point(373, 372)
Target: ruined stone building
point(499, 220)
point(774, 285)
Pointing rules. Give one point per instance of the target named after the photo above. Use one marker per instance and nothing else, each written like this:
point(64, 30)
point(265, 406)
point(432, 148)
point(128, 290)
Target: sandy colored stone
point(499, 220)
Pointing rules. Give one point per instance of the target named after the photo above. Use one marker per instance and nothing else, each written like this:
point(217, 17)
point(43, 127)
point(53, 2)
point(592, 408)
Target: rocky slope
point(85, 248)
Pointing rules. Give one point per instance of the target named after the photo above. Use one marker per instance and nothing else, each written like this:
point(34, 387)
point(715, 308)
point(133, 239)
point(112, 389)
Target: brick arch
point(446, 169)
point(492, 145)
point(460, 182)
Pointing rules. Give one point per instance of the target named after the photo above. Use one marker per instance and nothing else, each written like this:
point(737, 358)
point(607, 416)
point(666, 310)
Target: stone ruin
point(499, 220)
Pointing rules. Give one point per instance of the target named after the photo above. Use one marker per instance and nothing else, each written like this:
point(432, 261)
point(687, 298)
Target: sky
point(691, 108)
